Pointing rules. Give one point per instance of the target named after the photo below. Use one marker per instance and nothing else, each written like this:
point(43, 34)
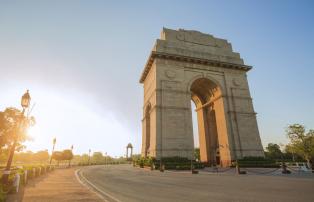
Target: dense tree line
point(31, 157)
point(97, 158)
point(300, 147)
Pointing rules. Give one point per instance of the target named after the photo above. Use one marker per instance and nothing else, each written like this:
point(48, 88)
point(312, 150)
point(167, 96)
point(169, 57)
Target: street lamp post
point(72, 154)
point(53, 148)
point(106, 160)
point(25, 101)
point(89, 156)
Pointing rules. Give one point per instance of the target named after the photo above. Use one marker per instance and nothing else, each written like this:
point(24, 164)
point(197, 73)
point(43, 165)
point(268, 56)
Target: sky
point(82, 60)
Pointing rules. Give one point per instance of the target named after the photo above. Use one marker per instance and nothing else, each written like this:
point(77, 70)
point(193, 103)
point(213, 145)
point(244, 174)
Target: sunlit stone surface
point(185, 65)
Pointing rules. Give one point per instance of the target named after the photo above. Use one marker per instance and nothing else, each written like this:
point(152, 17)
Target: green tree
point(273, 151)
point(24, 157)
point(31, 157)
point(58, 156)
point(98, 158)
point(84, 159)
point(291, 154)
point(301, 142)
point(67, 155)
point(13, 126)
point(41, 156)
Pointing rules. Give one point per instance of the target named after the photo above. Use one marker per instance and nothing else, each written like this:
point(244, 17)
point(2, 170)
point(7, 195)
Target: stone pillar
point(203, 136)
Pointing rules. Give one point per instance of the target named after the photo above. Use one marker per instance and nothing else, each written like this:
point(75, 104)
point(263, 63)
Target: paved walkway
point(59, 185)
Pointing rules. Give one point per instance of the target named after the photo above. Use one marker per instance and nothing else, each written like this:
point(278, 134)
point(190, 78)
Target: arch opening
point(204, 94)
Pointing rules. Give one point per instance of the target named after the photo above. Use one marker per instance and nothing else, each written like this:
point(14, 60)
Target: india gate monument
point(189, 65)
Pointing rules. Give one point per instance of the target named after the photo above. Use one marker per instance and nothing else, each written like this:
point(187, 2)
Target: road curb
point(85, 182)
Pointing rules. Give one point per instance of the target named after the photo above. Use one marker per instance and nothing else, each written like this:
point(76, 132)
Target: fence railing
point(19, 176)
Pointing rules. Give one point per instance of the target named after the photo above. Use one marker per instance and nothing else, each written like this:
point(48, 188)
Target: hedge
point(260, 162)
point(170, 163)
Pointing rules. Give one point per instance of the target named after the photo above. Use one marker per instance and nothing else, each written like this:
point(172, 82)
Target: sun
point(33, 132)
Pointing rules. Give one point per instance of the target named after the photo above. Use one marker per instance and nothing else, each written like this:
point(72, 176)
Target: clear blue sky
point(82, 61)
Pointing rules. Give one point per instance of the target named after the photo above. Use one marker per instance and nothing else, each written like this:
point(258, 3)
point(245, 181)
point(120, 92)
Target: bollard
point(238, 171)
point(162, 168)
point(34, 172)
point(194, 171)
point(237, 168)
point(25, 176)
point(284, 169)
point(16, 182)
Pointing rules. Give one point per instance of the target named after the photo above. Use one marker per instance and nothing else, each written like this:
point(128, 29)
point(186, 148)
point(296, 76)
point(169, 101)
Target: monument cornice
point(182, 58)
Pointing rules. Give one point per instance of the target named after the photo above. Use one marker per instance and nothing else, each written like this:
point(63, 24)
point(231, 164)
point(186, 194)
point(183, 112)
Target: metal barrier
point(261, 173)
point(300, 170)
point(216, 170)
point(225, 170)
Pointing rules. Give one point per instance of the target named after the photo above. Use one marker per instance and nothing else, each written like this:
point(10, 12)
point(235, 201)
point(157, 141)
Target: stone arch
point(129, 147)
point(199, 76)
point(206, 95)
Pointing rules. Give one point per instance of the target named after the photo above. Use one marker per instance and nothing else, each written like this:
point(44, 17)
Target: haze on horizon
point(82, 62)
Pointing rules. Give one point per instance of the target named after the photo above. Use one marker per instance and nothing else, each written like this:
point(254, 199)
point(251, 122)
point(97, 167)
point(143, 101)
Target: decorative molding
point(170, 107)
point(236, 82)
point(170, 74)
point(239, 112)
point(155, 54)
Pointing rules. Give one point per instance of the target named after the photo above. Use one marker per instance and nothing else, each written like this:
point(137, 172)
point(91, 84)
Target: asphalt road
point(127, 184)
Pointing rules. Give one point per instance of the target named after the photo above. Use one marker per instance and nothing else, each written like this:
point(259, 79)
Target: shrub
point(256, 162)
point(170, 163)
point(2, 193)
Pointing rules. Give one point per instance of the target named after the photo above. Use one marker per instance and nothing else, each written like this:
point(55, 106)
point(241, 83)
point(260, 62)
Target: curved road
point(125, 183)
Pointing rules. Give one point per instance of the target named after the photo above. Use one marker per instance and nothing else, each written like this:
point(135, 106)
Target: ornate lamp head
point(26, 99)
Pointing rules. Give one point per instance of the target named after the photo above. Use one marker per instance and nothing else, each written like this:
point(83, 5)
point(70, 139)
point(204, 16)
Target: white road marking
point(93, 186)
